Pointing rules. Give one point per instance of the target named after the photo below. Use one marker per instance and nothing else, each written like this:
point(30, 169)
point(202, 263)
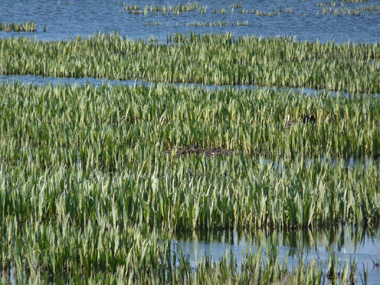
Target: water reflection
point(351, 162)
point(45, 80)
point(346, 242)
point(8, 276)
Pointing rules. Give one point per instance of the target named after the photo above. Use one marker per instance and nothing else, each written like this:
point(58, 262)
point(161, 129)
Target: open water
point(66, 19)
point(345, 243)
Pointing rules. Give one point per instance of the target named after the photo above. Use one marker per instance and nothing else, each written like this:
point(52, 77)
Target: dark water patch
point(304, 19)
point(345, 243)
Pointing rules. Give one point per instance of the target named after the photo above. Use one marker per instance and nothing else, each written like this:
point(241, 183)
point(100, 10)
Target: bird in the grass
point(306, 119)
point(309, 119)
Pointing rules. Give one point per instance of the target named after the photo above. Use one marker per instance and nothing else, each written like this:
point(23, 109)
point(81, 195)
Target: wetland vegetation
point(108, 179)
point(15, 27)
point(95, 181)
point(207, 59)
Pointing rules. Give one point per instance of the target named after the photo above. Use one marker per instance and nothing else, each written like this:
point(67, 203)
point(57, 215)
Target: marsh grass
point(15, 27)
point(133, 258)
point(207, 59)
point(209, 24)
point(218, 24)
point(165, 9)
point(329, 8)
point(156, 23)
point(120, 137)
point(88, 189)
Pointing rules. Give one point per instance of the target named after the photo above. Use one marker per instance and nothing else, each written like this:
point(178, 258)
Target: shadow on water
point(346, 242)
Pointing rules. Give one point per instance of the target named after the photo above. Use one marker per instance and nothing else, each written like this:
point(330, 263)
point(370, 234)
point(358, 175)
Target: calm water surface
point(66, 19)
point(346, 243)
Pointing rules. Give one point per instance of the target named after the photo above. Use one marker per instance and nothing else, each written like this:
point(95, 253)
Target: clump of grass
point(237, 5)
point(329, 9)
point(156, 23)
point(209, 24)
point(15, 27)
point(263, 13)
point(372, 10)
point(245, 23)
point(166, 9)
point(219, 11)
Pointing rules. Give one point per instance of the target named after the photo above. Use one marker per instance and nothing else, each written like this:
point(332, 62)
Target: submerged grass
point(208, 59)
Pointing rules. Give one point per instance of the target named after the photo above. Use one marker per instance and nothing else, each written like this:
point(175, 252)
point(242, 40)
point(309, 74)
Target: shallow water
point(46, 80)
point(42, 80)
point(347, 243)
point(66, 19)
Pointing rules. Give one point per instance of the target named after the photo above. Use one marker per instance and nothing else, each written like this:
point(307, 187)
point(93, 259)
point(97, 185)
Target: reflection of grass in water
point(15, 27)
point(298, 240)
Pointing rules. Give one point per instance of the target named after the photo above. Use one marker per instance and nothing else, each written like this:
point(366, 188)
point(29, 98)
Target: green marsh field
point(95, 181)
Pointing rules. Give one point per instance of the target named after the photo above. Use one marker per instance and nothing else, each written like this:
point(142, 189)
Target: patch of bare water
point(346, 243)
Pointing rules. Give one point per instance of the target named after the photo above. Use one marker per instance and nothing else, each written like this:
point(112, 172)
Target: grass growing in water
point(166, 9)
point(208, 59)
point(87, 184)
point(328, 8)
point(121, 136)
point(89, 176)
point(15, 27)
